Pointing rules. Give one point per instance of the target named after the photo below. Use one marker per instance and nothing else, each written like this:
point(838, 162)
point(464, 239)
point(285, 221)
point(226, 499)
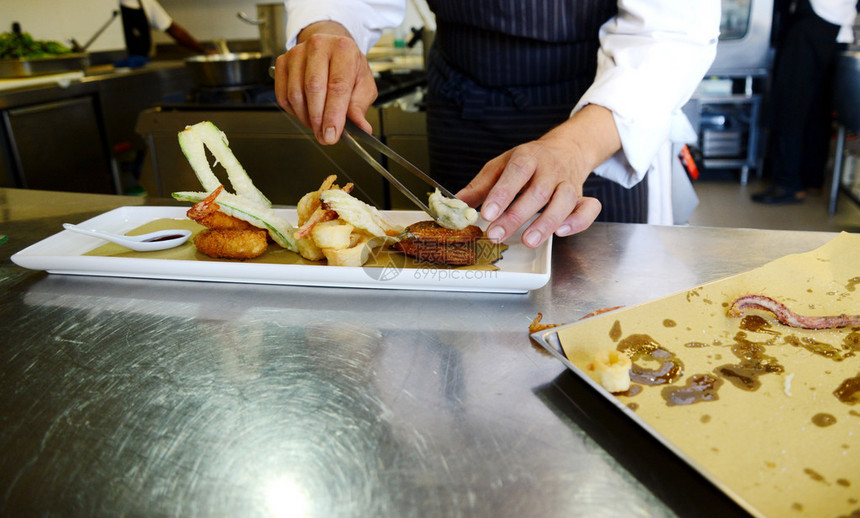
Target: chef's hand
point(324, 79)
point(547, 174)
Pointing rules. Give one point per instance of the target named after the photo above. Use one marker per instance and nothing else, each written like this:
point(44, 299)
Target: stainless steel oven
point(744, 48)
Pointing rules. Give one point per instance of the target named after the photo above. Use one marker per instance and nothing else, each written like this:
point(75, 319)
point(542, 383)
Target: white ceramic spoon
point(159, 240)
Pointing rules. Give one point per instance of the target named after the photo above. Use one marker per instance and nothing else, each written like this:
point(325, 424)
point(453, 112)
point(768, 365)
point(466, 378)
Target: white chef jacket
point(652, 56)
point(838, 12)
point(157, 16)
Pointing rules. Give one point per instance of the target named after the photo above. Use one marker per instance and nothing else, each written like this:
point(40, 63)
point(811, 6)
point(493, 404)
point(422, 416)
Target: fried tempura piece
point(431, 231)
point(357, 213)
point(536, 325)
point(430, 242)
point(454, 254)
point(206, 206)
point(309, 250)
point(231, 244)
point(311, 210)
point(221, 221)
point(311, 201)
point(600, 311)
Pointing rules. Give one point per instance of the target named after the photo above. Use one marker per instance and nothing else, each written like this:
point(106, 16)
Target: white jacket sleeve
point(652, 56)
point(364, 19)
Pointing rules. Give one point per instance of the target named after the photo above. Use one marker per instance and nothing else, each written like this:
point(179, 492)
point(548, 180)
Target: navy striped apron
point(504, 72)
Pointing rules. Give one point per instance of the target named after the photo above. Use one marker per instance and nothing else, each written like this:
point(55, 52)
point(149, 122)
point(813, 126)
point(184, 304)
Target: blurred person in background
point(802, 97)
point(532, 106)
point(139, 16)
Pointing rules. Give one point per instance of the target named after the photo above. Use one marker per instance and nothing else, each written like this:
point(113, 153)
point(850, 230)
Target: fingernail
point(563, 230)
point(491, 211)
point(329, 135)
point(532, 238)
point(496, 234)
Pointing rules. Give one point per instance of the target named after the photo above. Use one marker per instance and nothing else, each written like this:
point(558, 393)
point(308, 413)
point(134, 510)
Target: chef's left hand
point(547, 174)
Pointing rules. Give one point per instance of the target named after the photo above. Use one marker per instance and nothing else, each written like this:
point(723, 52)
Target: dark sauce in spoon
point(167, 237)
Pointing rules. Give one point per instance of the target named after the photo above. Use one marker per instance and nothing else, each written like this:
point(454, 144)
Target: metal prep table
point(124, 397)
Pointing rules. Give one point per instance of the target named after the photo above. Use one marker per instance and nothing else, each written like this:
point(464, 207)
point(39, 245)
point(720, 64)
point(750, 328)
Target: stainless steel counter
point(164, 398)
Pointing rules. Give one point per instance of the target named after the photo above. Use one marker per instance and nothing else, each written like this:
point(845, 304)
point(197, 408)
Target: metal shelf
point(741, 123)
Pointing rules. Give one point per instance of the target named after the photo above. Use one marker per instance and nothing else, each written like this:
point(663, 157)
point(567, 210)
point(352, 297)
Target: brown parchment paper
point(487, 252)
point(762, 445)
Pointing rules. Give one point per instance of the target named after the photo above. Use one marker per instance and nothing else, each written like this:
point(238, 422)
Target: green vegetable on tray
point(22, 45)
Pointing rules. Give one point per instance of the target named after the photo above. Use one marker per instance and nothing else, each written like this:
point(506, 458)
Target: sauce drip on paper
point(753, 364)
point(823, 420)
point(816, 347)
point(849, 391)
point(642, 347)
point(699, 387)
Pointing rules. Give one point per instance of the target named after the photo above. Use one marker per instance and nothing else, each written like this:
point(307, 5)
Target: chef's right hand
point(324, 79)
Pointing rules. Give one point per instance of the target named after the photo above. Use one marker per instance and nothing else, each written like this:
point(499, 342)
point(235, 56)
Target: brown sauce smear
point(632, 391)
point(615, 332)
point(843, 482)
point(643, 347)
point(757, 324)
point(753, 364)
point(814, 475)
point(815, 347)
point(699, 387)
point(852, 341)
point(823, 420)
point(849, 391)
point(695, 344)
point(668, 322)
point(852, 283)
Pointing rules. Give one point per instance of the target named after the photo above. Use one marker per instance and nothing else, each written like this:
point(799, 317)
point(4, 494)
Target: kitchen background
point(118, 128)
point(207, 20)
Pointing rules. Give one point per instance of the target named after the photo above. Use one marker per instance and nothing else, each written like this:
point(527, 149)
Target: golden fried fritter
point(231, 244)
point(221, 221)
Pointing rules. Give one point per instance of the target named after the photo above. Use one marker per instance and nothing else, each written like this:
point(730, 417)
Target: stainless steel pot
point(235, 69)
point(272, 22)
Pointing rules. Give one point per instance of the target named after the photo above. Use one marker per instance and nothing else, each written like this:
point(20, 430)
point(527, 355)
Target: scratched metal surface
point(162, 398)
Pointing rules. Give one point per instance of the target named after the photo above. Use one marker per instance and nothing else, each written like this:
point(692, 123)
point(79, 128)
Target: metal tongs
point(358, 140)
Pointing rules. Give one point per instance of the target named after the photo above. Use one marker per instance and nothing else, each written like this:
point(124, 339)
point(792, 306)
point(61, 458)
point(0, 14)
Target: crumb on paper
point(787, 384)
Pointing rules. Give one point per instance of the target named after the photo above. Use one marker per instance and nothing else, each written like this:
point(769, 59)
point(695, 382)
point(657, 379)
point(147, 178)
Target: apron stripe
point(504, 72)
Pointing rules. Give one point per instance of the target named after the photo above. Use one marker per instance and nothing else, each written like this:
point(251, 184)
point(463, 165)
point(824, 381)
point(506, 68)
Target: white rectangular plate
point(521, 268)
